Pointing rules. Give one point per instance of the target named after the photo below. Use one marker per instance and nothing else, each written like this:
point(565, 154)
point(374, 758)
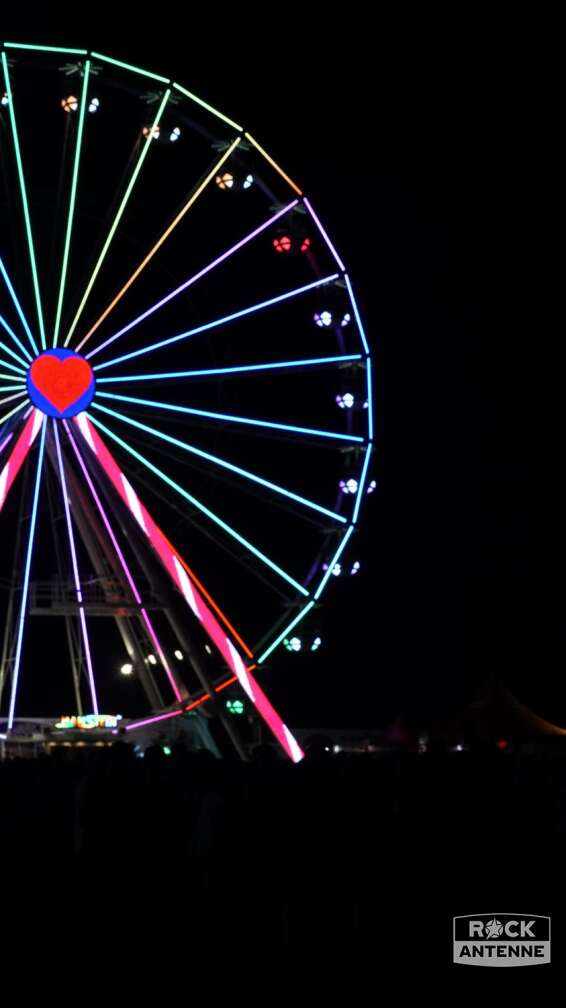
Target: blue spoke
point(17, 305)
point(212, 372)
point(230, 418)
point(221, 462)
point(188, 283)
point(12, 353)
point(201, 507)
point(217, 322)
point(18, 342)
point(12, 367)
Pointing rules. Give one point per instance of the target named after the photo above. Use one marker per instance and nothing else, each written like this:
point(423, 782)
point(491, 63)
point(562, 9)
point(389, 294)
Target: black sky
point(424, 152)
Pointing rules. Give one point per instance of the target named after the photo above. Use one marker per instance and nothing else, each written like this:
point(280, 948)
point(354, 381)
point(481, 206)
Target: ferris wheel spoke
point(12, 367)
point(10, 398)
point(188, 283)
point(192, 199)
point(75, 567)
point(119, 214)
point(231, 418)
point(219, 322)
point(197, 504)
point(125, 567)
point(171, 561)
point(17, 305)
point(72, 200)
point(23, 192)
point(242, 369)
point(220, 543)
point(11, 333)
point(223, 463)
point(19, 452)
point(127, 572)
point(13, 354)
point(13, 411)
point(25, 585)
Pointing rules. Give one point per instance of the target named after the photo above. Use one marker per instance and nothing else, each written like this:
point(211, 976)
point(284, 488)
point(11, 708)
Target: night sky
point(423, 160)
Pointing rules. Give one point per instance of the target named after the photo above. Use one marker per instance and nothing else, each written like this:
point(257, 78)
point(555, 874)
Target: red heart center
point(62, 382)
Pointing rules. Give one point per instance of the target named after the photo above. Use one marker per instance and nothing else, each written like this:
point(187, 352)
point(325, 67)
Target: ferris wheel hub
point(60, 383)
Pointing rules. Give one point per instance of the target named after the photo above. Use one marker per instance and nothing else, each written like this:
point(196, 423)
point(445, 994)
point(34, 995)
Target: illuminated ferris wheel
point(186, 403)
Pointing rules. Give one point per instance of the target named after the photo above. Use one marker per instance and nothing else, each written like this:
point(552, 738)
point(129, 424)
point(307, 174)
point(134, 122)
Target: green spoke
point(23, 192)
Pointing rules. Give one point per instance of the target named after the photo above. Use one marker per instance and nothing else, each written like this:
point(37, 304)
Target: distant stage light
point(127, 669)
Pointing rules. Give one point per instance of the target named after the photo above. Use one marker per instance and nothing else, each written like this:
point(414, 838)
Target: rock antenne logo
point(501, 940)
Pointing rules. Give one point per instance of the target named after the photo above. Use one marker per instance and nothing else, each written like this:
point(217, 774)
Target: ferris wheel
point(185, 389)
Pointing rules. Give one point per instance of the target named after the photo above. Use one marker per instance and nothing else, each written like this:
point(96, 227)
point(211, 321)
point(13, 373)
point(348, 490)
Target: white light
point(248, 181)
point(178, 654)
point(295, 643)
point(337, 570)
point(152, 659)
point(349, 486)
point(174, 134)
point(208, 648)
point(323, 319)
point(127, 669)
point(93, 104)
point(4, 100)
point(345, 401)
point(355, 567)
point(346, 319)
point(371, 486)
point(153, 130)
